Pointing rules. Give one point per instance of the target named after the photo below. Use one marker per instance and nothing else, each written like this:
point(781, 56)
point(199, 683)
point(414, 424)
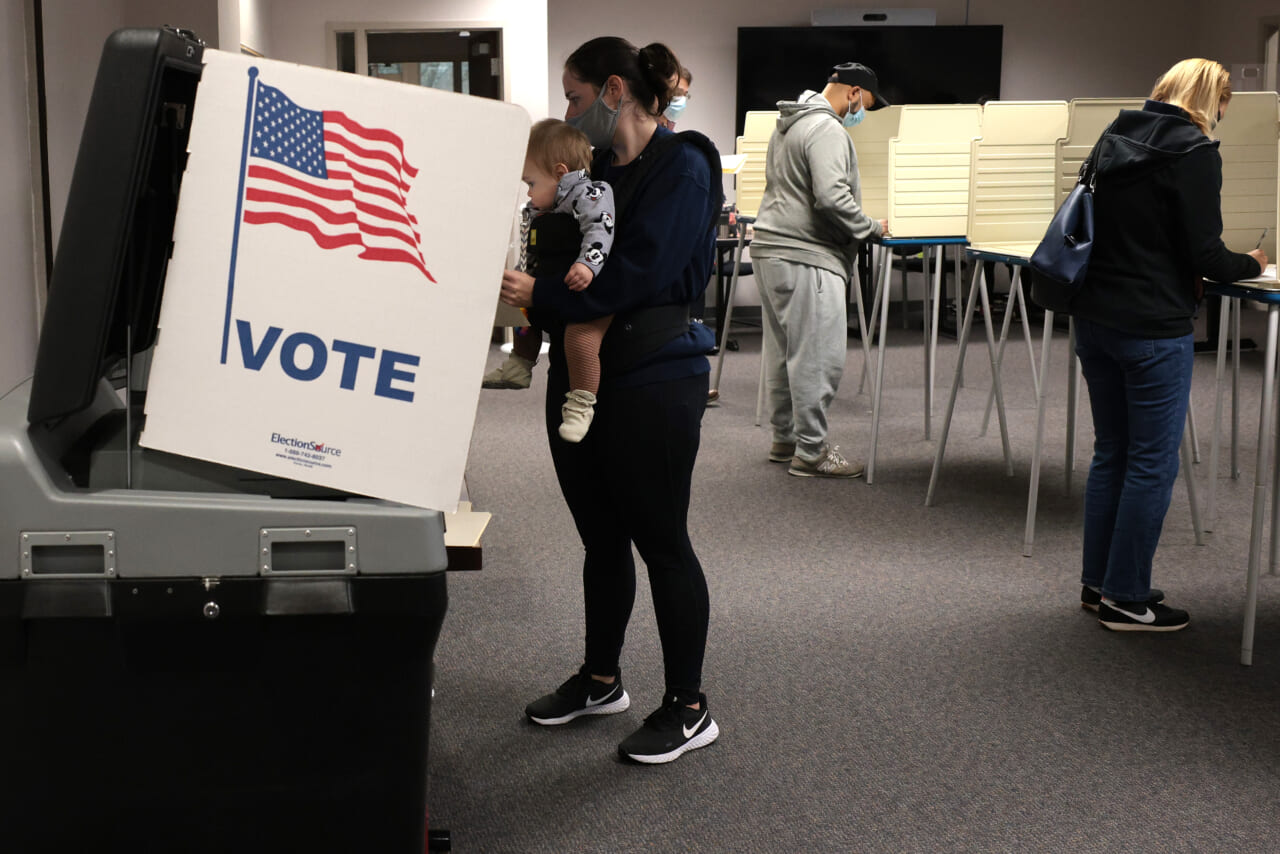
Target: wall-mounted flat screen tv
point(916, 65)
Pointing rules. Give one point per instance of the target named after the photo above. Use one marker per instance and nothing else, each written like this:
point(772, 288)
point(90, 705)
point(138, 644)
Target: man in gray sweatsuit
point(807, 234)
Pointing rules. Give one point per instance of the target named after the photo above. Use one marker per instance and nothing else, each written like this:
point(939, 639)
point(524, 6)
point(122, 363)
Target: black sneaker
point(1149, 616)
point(1091, 597)
point(670, 731)
point(579, 695)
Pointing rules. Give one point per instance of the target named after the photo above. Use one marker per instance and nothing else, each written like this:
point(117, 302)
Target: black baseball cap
point(857, 74)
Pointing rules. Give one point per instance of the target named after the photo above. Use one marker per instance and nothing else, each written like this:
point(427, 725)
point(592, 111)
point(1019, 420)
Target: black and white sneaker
point(670, 732)
point(1149, 616)
point(1091, 597)
point(579, 695)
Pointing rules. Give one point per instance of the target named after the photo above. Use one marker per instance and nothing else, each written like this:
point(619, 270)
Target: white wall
point(74, 33)
point(228, 17)
point(1088, 48)
point(17, 286)
point(254, 25)
point(1230, 32)
point(297, 33)
point(199, 16)
point(73, 37)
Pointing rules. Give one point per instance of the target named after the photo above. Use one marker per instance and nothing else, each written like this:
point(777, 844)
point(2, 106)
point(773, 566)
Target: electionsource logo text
point(317, 447)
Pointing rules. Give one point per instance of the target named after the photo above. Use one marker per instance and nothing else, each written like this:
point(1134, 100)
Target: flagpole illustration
point(235, 238)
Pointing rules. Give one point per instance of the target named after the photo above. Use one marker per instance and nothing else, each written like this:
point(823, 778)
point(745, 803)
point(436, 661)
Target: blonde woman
point(1158, 233)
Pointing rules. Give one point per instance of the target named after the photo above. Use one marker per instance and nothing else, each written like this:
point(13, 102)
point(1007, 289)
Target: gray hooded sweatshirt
point(811, 212)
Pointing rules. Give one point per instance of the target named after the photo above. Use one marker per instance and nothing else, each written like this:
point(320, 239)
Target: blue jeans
point(1138, 390)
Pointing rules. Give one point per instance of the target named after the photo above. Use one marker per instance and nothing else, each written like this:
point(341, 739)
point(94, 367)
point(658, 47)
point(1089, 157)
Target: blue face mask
point(676, 107)
point(854, 117)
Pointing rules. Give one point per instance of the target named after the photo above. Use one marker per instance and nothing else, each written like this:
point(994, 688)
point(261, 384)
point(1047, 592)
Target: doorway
point(467, 61)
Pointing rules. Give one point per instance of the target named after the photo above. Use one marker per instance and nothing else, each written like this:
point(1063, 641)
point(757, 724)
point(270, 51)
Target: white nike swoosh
point(591, 702)
point(1148, 616)
point(690, 730)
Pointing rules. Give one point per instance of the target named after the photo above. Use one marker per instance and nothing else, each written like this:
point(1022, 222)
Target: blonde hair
point(1198, 86)
point(552, 141)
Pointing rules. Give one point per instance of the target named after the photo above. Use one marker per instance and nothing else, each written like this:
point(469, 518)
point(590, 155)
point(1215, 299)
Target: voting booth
point(1247, 144)
point(754, 146)
point(1012, 186)
point(929, 162)
point(925, 196)
point(196, 656)
point(1087, 118)
point(1012, 198)
point(871, 138)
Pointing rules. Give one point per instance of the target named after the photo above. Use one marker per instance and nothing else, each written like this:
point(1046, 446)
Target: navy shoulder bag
point(1063, 254)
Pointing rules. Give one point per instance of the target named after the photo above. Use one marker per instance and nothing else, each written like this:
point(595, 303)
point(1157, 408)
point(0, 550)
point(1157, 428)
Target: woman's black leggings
point(628, 482)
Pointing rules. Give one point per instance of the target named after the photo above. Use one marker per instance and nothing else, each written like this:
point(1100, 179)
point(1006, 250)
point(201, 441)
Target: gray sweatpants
point(805, 336)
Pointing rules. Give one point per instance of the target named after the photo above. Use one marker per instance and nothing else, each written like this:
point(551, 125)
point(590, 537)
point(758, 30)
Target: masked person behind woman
point(679, 99)
point(628, 481)
point(1158, 233)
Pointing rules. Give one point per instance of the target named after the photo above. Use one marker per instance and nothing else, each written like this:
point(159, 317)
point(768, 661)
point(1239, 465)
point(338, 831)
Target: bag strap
point(1088, 174)
point(1088, 169)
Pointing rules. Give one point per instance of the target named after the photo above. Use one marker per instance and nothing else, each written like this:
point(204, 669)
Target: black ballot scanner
point(193, 658)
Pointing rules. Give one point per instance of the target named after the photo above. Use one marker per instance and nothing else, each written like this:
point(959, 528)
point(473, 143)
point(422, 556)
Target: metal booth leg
point(1073, 401)
point(1261, 476)
point(995, 379)
point(885, 255)
point(1033, 491)
point(878, 383)
point(1235, 390)
point(963, 341)
point(931, 371)
point(1189, 475)
point(1016, 301)
point(1215, 434)
point(714, 393)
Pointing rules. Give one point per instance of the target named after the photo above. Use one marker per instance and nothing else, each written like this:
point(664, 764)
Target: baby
point(569, 226)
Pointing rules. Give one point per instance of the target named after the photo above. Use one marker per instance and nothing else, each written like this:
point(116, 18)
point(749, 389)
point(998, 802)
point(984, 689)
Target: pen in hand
point(1261, 238)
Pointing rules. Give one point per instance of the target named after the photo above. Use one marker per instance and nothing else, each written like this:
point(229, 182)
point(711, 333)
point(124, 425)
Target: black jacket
point(1157, 225)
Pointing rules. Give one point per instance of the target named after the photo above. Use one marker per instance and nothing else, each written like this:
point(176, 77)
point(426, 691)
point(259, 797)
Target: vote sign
point(338, 250)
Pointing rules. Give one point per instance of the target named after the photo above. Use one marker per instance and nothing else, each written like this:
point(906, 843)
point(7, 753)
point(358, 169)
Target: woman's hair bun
point(659, 66)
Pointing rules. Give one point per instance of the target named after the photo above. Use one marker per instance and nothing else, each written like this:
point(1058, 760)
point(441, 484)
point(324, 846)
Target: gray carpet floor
point(886, 676)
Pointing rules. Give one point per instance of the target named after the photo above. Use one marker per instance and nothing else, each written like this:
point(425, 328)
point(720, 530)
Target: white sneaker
point(515, 372)
point(576, 415)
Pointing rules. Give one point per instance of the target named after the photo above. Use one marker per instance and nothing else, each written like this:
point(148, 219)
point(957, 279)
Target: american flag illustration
point(322, 173)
